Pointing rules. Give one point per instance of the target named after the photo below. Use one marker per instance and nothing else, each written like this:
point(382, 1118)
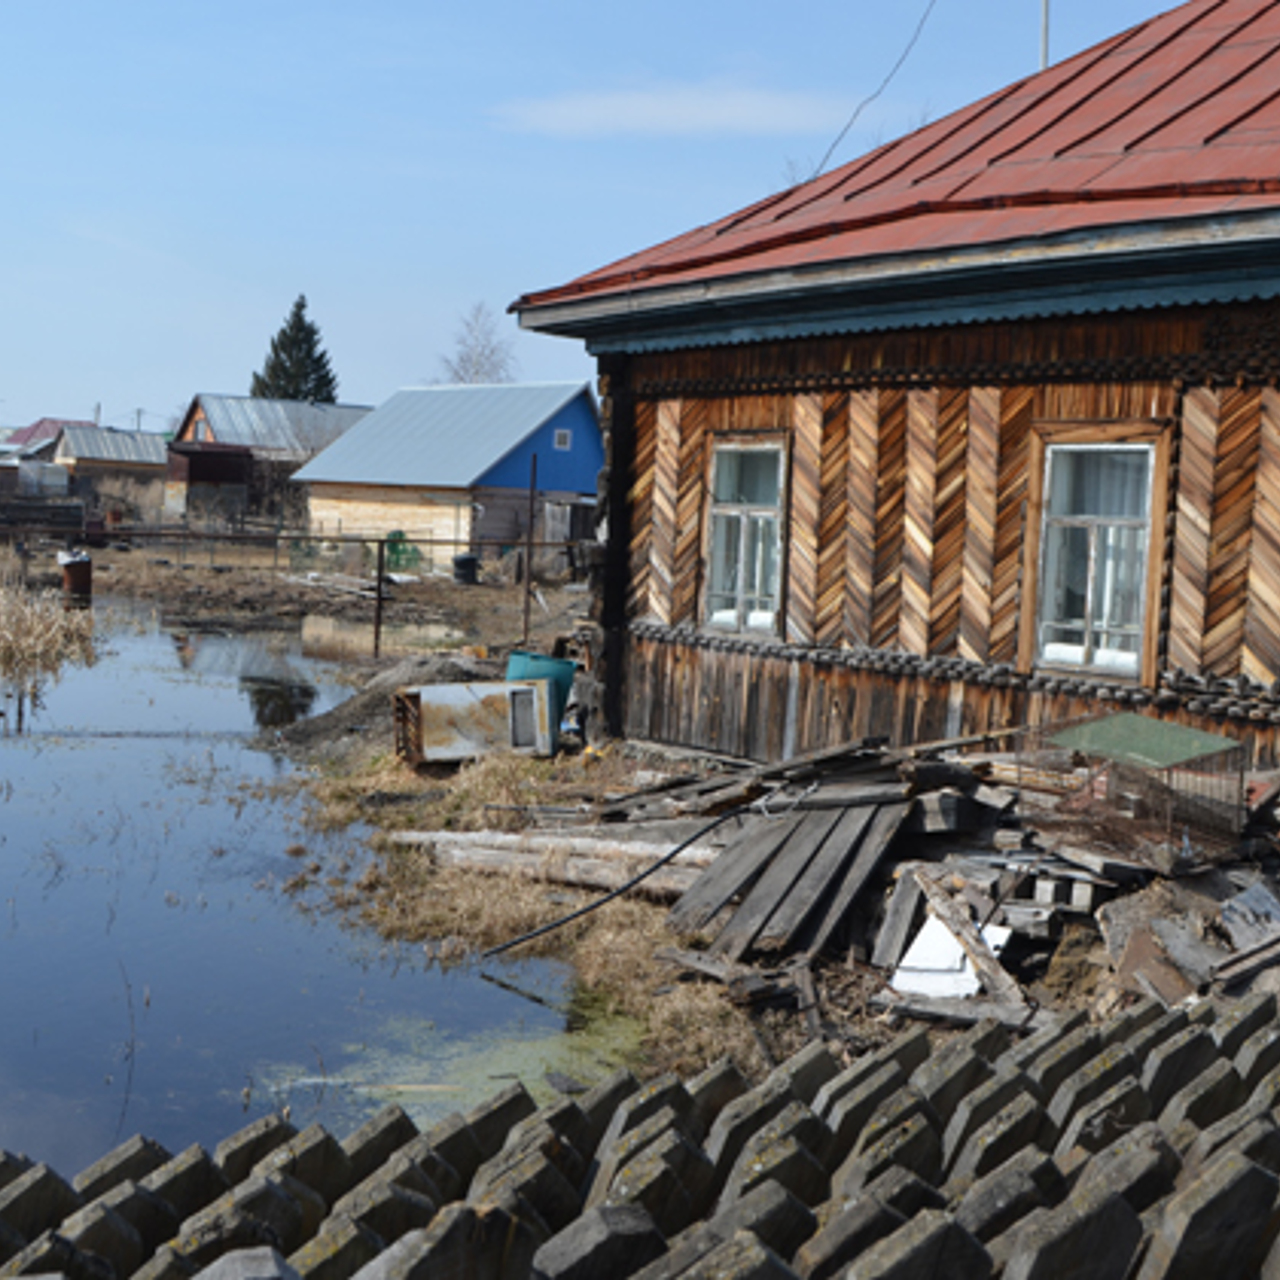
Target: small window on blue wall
point(564, 439)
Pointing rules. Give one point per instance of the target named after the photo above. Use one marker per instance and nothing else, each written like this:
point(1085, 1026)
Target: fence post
point(528, 546)
point(377, 598)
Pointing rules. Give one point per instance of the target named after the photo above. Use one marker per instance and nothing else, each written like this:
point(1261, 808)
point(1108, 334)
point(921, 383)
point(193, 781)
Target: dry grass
point(38, 634)
point(457, 913)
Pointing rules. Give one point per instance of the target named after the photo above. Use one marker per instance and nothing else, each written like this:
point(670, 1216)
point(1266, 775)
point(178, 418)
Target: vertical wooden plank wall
point(1016, 405)
point(949, 521)
point(891, 481)
point(835, 522)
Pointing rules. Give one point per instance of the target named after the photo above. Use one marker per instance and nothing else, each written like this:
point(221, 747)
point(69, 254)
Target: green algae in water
point(431, 1074)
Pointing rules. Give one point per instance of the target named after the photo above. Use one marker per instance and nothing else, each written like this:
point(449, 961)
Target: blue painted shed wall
point(567, 471)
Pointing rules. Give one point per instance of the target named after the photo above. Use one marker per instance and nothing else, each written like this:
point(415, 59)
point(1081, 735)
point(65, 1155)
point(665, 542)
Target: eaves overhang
point(1179, 262)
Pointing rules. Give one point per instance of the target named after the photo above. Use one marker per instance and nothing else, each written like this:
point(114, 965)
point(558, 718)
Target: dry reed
point(38, 635)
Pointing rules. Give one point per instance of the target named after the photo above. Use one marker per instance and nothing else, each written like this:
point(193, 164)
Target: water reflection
point(277, 703)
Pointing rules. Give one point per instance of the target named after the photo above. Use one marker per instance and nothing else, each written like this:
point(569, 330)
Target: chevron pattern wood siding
point(1189, 582)
point(1261, 659)
point(949, 521)
point(640, 503)
point(860, 536)
point(919, 492)
point(833, 520)
point(891, 486)
point(1234, 482)
point(662, 546)
point(982, 458)
point(803, 522)
point(687, 573)
point(1016, 404)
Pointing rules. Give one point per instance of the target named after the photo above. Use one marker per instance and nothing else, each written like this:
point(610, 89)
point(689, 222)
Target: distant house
point(233, 455)
point(452, 464)
point(42, 432)
point(118, 473)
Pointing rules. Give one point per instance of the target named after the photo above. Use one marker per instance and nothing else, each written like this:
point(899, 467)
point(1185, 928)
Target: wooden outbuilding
point(979, 430)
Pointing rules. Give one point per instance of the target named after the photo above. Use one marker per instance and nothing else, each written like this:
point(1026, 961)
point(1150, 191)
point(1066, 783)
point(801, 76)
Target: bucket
point(77, 575)
point(537, 666)
point(465, 569)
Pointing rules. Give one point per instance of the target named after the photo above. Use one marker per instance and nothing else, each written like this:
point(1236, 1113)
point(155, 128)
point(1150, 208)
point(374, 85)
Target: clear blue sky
point(174, 174)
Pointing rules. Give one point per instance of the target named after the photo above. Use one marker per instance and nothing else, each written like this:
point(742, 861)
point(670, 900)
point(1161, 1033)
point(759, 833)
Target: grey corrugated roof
point(293, 427)
point(108, 444)
point(442, 437)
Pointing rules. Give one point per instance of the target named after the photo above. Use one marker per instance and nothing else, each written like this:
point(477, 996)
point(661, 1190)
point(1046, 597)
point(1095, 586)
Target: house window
point(744, 575)
point(1093, 556)
point(563, 439)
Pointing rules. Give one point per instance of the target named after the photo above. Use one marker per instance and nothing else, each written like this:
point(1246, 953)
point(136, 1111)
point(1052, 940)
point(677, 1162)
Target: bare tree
point(482, 354)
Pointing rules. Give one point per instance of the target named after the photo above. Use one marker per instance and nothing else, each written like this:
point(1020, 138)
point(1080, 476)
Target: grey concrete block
point(250, 1264)
point(1258, 1055)
point(1173, 1064)
point(404, 1172)
point(1097, 1124)
point(1241, 1019)
point(236, 1155)
point(37, 1201)
point(1215, 1092)
point(375, 1141)
point(386, 1208)
point(1092, 1235)
point(1061, 1059)
point(895, 1110)
point(600, 1102)
point(1250, 1130)
point(931, 1244)
point(949, 1075)
point(1266, 1093)
point(1021, 1055)
point(741, 1118)
point(11, 1243)
point(904, 1191)
point(742, 1257)
point(909, 1049)
point(654, 1184)
point(492, 1120)
point(462, 1242)
point(205, 1237)
point(609, 1240)
point(151, 1216)
point(434, 1166)
point(786, 1161)
point(315, 1157)
point(1021, 1125)
point(132, 1159)
point(165, 1264)
point(850, 1232)
point(12, 1166)
point(561, 1133)
point(914, 1145)
point(1141, 1166)
point(993, 1203)
point(626, 1148)
point(1157, 1031)
point(532, 1176)
point(795, 1120)
point(1102, 1072)
point(51, 1253)
point(340, 1249)
point(807, 1071)
point(1218, 1226)
point(977, 1107)
point(260, 1198)
point(711, 1091)
point(847, 1114)
point(452, 1140)
point(188, 1182)
point(637, 1107)
point(100, 1230)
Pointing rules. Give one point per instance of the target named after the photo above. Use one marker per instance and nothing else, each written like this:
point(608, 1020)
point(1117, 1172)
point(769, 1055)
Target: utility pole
point(1044, 34)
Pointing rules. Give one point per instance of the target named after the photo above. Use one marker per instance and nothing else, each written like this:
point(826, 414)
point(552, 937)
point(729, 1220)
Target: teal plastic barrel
point(537, 666)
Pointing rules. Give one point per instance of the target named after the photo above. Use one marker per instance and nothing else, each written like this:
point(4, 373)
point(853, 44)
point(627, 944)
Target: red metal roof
point(1177, 118)
point(44, 429)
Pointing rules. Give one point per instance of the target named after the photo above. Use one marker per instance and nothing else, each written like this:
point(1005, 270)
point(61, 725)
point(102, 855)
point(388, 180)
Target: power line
point(884, 84)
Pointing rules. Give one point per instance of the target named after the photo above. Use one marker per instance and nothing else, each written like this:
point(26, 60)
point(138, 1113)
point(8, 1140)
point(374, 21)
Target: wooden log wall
point(906, 520)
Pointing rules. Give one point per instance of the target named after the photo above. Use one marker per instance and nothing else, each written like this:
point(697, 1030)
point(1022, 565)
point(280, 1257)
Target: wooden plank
point(999, 983)
point(815, 883)
point(1016, 404)
point(773, 886)
point(860, 534)
point(886, 596)
point(965, 1012)
point(822, 929)
point(981, 463)
point(949, 520)
point(1261, 660)
point(899, 916)
point(1189, 580)
point(731, 873)
point(640, 505)
point(662, 545)
point(806, 496)
point(919, 489)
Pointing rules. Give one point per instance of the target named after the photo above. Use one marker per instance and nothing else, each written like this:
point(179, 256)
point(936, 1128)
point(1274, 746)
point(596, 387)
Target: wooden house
point(979, 430)
point(451, 465)
point(119, 474)
point(234, 455)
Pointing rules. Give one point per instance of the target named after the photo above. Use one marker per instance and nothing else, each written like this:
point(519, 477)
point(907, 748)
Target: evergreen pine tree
point(297, 366)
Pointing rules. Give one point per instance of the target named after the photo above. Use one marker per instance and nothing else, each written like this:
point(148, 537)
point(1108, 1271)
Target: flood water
point(157, 980)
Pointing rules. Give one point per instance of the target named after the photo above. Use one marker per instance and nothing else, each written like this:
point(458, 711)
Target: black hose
point(614, 893)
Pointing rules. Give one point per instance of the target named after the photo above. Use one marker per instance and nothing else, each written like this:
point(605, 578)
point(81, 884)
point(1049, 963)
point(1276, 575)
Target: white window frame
point(563, 439)
point(733, 606)
point(1090, 655)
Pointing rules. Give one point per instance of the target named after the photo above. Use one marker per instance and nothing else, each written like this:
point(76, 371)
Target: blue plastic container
point(537, 666)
